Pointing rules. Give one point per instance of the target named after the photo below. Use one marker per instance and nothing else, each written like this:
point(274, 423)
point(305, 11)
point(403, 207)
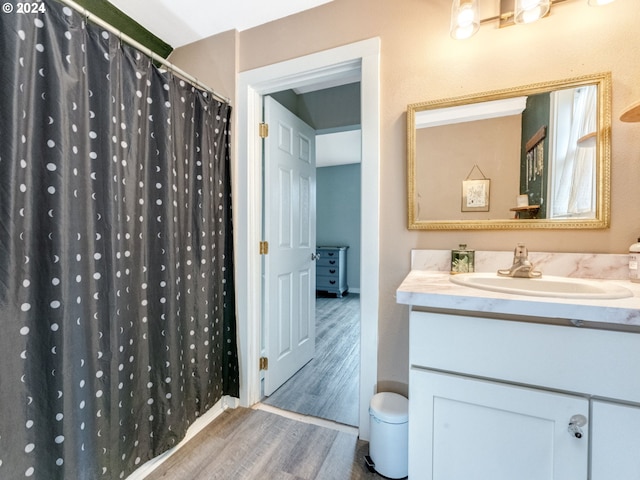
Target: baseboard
point(223, 404)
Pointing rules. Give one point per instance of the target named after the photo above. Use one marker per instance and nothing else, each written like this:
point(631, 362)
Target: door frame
point(361, 57)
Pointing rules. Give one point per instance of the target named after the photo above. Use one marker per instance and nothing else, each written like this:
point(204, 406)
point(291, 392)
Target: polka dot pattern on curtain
point(117, 300)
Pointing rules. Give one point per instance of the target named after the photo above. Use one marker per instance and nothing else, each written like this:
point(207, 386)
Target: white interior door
point(290, 229)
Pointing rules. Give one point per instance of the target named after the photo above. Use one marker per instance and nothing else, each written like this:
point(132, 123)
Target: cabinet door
point(468, 429)
point(615, 452)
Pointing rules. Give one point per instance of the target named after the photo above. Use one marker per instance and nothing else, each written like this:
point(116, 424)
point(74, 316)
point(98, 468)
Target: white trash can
point(389, 438)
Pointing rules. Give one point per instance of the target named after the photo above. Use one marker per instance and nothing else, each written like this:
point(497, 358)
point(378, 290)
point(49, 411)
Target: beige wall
point(213, 61)
point(419, 61)
point(492, 145)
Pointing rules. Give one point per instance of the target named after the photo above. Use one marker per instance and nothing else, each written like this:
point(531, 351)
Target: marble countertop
point(432, 289)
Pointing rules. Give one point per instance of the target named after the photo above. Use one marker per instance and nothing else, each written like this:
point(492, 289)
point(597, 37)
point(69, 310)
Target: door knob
point(575, 425)
point(315, 256)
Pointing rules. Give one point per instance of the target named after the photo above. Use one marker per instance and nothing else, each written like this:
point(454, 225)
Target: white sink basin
point(545, 286)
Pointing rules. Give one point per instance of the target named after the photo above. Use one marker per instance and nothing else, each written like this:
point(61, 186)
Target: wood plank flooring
point(246, 444)
point(327, 386)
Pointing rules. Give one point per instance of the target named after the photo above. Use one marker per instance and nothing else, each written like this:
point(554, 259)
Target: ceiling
point(187, 21)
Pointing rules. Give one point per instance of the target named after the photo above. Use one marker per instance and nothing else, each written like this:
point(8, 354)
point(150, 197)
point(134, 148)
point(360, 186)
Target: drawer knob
point(575, 425)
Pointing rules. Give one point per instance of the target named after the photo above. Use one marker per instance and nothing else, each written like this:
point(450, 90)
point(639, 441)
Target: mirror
point(534, 157)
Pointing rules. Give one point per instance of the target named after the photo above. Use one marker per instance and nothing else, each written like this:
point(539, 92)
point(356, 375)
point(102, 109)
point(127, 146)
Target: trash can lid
point(389, 407)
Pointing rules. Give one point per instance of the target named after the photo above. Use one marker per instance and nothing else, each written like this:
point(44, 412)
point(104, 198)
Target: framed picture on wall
point(475, 195)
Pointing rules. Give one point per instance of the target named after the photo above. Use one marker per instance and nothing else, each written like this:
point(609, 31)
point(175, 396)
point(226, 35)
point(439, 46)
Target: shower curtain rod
point(126, 38)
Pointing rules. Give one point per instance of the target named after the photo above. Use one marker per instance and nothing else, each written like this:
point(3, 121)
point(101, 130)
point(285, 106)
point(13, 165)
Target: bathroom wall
point(213, 61)
point(419, 61)
point(490, 142)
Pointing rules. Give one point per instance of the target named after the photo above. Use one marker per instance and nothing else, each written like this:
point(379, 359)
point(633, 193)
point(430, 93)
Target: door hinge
point(264, 363)
point(264, 248)
point(264, 130)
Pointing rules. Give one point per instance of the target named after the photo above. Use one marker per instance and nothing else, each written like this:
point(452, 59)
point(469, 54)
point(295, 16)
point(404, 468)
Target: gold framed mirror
point(544, 147)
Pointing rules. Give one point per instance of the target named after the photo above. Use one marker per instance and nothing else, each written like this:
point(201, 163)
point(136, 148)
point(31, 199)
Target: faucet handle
point(521, 250)
point(521, 267)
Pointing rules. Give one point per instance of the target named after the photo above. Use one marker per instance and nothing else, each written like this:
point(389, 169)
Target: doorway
point(361, 59)
point(325, 386)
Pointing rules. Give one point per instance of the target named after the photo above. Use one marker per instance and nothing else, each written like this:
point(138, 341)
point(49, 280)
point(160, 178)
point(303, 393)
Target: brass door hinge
point(264, 363)
point(264, 248)
point(264, 130)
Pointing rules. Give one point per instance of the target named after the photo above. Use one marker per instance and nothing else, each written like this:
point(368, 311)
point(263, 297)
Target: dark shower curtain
point(117, 302)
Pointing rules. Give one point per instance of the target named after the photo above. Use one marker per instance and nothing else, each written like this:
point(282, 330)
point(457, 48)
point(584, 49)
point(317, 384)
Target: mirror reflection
point(529, 157)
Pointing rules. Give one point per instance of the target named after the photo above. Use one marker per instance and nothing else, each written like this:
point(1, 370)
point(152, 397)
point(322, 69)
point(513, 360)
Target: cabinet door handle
point(575, 425)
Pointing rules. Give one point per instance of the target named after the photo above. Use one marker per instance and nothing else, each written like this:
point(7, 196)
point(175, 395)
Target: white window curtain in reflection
point(574, 190)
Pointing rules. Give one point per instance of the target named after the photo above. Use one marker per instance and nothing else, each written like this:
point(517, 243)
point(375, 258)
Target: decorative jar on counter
point(462, 260)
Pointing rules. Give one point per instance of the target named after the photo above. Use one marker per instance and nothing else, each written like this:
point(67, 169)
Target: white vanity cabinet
point(477, 429)
point(493, 398)
point(616, 441)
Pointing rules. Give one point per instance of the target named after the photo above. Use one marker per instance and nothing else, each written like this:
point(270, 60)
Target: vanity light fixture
point(465, 17)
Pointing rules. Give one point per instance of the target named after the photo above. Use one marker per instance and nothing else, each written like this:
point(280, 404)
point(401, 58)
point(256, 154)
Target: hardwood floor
point(327, 386)
point(259, 444)
point(252, 444)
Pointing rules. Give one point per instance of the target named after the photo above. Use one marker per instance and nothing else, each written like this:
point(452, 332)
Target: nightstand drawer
point(328, 262)
point(332, 271)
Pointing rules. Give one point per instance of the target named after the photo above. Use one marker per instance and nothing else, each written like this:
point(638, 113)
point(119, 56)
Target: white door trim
point(252, 85)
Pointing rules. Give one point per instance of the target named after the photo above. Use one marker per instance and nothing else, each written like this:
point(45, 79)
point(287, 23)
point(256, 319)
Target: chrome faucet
point(521, 267)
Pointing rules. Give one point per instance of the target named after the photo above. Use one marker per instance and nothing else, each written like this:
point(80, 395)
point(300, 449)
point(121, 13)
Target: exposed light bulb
point(528, 11)
point(465, 15)
point(465, 18)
